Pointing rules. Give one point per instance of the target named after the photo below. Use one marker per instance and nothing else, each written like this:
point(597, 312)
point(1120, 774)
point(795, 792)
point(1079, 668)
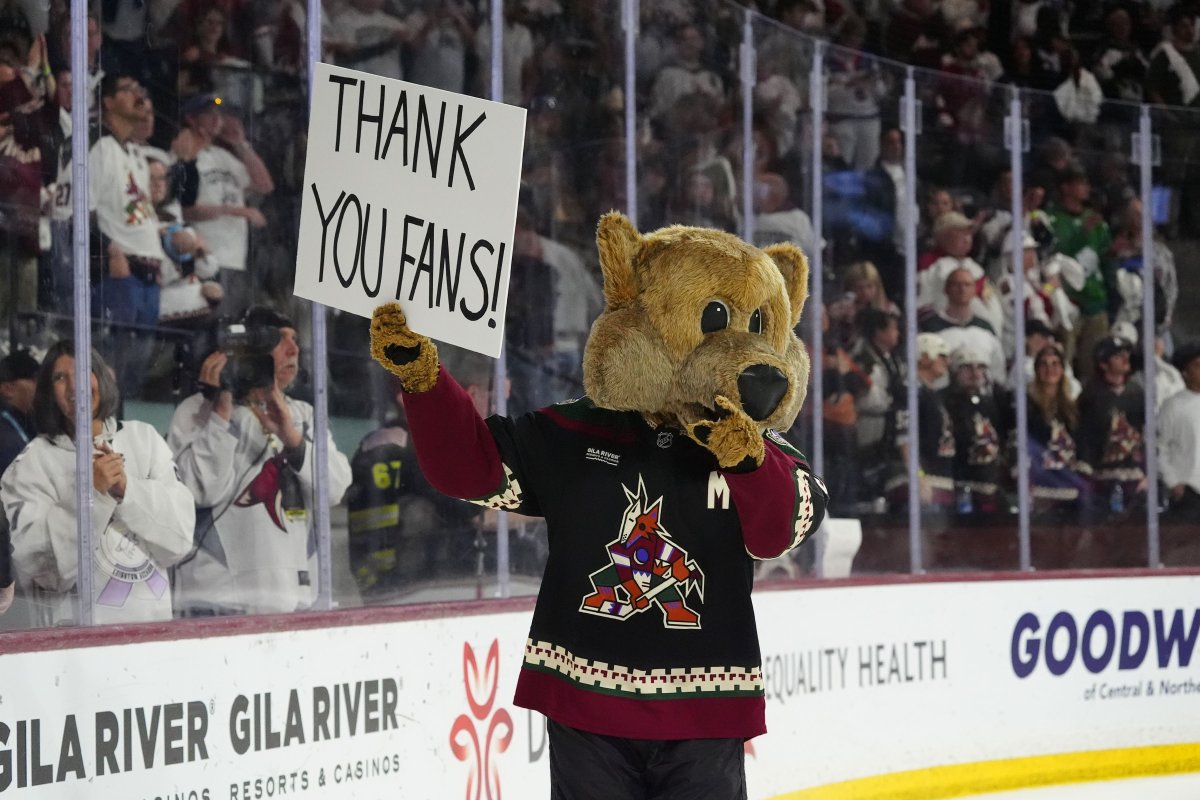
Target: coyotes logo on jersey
point(646, 568)
point(1124, 440)
point(985, 448)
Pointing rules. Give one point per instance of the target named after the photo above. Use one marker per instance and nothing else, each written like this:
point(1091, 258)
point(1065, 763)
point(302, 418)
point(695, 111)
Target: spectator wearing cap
point(955, 236)
point(960, 324)
point(125, 238)
point(1053, 421)
point(936, 429)
point(1179, 439)
point(981, 415)
point(1111, 421)
point(18, 375)
point(1084, 236)
point(245, 450)
point(1037, 337)
point(222, 167)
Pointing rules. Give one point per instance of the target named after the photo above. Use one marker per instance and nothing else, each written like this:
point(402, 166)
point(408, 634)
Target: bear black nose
point(761, 387)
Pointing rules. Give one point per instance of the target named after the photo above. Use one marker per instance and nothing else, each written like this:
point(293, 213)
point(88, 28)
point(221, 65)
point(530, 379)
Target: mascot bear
point(659, 488)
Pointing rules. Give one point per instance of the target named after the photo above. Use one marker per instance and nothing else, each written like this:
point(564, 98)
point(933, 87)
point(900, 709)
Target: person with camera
point(244, 448)
point(142, 515)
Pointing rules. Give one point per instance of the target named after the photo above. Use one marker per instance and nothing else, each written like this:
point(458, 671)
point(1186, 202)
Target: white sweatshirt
point(257, 544)
point(1179, 440)
point(135, 539)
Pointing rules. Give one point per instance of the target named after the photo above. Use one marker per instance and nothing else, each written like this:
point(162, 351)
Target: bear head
point(692, 315)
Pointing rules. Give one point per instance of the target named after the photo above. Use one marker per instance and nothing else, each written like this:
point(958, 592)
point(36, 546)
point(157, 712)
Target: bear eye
point(756, 321)
point(715, 317)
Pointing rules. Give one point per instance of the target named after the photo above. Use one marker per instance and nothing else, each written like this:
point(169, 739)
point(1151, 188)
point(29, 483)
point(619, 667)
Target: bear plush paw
point(409, 356)
point(734, 438)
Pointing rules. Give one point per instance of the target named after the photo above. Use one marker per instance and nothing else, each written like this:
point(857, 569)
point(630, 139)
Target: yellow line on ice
point(965, 780)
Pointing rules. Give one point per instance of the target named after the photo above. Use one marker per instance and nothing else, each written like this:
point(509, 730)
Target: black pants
point(588, 766)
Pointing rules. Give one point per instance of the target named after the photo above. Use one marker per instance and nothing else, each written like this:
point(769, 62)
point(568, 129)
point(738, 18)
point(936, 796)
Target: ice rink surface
point(1170, 787)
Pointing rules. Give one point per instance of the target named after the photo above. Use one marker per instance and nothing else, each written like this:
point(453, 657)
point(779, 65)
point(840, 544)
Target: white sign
point(410, 194)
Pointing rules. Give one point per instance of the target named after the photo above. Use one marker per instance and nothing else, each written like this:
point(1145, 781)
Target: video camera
point(248, 347)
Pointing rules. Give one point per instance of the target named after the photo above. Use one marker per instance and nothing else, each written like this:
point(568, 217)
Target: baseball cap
point(200, 102)
point(1109, 346)
point(932, 345)
point(951, 220)
point(964, 356)
point(18, 365)
point(266, 317)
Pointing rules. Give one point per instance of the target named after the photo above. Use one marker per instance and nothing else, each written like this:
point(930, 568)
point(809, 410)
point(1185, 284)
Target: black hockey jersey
point(644, 626)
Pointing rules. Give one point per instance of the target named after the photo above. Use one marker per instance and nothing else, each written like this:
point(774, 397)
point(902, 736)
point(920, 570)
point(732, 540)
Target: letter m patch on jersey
point(718, 490)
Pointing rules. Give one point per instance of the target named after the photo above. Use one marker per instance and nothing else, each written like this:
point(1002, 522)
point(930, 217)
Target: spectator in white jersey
point(246, 452)
point(142, 516)
point(125, 237)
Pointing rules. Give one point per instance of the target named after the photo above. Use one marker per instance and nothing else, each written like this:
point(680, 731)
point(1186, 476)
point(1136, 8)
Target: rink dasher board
point(861, 681)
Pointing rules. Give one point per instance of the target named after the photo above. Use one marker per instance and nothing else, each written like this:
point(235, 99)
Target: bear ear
point(793, 265)
point(617, 240)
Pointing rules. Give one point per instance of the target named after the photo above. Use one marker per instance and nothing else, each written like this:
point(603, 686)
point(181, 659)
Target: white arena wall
point(913, 687)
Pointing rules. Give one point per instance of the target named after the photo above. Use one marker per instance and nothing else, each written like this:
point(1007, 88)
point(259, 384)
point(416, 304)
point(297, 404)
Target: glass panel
point(35, 300)
point(783, 198)
point(965, 405)
point(394, 538)
point(1086, 462)
point(194, 182)
point(1174, 215)
point(864, 350)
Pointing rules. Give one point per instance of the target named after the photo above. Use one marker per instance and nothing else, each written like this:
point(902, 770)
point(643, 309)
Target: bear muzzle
point(761, 387)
